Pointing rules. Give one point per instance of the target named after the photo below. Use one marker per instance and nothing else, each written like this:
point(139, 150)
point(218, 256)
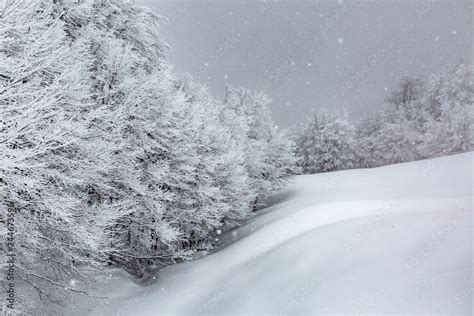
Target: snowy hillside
point(391, 239)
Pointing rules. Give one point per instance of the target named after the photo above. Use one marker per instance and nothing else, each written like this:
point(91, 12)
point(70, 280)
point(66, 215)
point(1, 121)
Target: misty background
point(315, 54)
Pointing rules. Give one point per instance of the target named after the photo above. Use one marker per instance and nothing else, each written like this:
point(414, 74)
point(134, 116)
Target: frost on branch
point(108, 158)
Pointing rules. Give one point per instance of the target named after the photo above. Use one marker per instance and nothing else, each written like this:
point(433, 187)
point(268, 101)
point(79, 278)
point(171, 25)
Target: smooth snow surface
point(392, 239)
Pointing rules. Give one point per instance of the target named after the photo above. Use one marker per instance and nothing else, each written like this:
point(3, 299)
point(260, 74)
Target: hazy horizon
point(313, 54)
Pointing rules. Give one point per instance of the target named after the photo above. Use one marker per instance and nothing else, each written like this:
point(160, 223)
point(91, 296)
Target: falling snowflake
point(218, 232)
point(340, 40)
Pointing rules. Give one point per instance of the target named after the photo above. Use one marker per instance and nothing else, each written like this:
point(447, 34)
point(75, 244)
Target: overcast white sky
point(310, 54)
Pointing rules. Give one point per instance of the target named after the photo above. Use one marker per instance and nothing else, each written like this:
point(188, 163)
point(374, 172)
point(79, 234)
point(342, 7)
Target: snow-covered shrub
point(326, 143)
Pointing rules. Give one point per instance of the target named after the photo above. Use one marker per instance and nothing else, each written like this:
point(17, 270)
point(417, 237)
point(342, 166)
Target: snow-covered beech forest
point(128, 187)
point(109, 158)
point(423, 118)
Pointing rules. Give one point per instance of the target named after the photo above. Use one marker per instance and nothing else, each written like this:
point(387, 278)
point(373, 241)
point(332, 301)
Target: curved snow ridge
point(394, 239)
point(300, 222)
point(406, 262)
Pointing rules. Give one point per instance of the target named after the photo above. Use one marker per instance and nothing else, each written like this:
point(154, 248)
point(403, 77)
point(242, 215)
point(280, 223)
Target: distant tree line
point(423, 118)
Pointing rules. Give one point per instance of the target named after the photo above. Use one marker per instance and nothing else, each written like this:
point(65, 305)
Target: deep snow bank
point(391, 239)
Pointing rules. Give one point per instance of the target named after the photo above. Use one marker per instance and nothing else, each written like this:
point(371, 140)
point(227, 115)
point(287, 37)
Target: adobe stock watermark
point(464, 294)
point(426, 7)
point(283, 230)
point(232, 39)
point(300, 294)
point(178, 12)
point(440, 235)
point(372, 61)
point(371, 226)
point(336, 16)
point(10, 256)
point(279, 72)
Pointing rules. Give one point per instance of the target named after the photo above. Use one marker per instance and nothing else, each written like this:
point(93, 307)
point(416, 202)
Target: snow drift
point(391, 239)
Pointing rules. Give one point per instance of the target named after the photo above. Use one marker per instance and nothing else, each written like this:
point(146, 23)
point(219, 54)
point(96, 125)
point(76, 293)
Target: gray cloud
point(313, 54)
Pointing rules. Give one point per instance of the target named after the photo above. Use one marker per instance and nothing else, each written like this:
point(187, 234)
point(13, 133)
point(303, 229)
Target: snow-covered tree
point(269, 158)
point(108, 156)
point(421, 119)
point(408, 91)
point(449, 101)
point(45, 169)
point(326, 143)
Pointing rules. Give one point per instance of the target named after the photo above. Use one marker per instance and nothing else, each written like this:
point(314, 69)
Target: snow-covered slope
point(391, 239)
